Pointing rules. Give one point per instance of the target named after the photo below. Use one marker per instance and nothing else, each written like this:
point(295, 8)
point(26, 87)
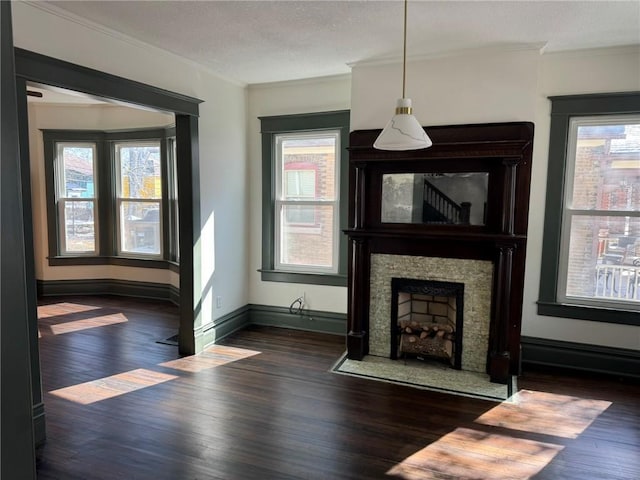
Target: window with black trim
point(305, 188)
point(591, 251)
point(111, 197)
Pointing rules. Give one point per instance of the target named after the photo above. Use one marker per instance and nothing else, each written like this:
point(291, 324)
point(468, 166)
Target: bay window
point(111, 197)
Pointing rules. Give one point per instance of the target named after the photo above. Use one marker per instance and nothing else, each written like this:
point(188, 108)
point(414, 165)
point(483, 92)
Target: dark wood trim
point(31, 288)
point(39, 424)
point(504, 151)
point(226, 325)
point(308, 278)
point(578, 356)
point(308, 320)
point(594, 314)
point(188, 162)
point(51, 71)
point(252, 314)
point(111, 260)
point(562, 109)
point(107, 286)
point(269, 126)
point(174, 295)
point(16, 401)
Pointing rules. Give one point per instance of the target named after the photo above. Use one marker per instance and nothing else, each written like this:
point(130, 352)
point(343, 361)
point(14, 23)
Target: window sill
point(594, 314)
point(309, 278)
point(98, 260)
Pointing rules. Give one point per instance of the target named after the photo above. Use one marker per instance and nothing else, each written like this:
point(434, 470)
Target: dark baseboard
point(224, 326)
point(174, 295)
point(579, 356)
point(39, 427)
point(535, 351)
point(310, 320)
point(108, 286)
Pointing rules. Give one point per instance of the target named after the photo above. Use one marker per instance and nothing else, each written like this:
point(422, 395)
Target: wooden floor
point(264, 405)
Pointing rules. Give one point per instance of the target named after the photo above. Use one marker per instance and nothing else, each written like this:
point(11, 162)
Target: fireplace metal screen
point(427, 320)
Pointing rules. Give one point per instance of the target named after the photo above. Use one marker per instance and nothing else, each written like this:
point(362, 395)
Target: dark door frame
point(17, 455)
point(34, 67)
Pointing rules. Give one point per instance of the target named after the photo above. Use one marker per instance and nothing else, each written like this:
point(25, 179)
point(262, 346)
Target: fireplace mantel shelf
point(431, 232)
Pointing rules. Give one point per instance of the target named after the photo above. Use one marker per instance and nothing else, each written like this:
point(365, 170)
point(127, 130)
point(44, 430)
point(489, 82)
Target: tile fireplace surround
point(476, 275)
point(398, 231)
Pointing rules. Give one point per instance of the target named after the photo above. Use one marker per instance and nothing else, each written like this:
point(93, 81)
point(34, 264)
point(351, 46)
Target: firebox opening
point(427, 320)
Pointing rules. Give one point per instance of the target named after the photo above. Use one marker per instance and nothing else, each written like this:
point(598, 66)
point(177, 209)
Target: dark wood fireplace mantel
point(504, 152)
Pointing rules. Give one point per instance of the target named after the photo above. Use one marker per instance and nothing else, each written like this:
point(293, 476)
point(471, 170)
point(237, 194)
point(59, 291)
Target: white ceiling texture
point(266, 41)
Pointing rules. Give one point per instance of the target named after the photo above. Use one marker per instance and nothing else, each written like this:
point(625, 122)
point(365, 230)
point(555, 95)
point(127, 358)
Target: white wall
point(320, 95)
point(493, 86)
point(222, 129)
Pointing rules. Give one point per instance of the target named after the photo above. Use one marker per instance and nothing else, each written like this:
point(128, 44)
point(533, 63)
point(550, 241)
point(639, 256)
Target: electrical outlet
point(218, 302)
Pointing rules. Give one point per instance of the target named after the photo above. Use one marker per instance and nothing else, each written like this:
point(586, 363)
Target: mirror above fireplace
point(451, 198)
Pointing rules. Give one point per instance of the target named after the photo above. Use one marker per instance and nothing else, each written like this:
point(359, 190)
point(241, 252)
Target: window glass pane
point(140, 174)
point(77, 171)
point(307, 235)
point(299, 184)
point(313, 158)
point(607, 167)
point(604, 258)
point(140, 227)
point(79, 226)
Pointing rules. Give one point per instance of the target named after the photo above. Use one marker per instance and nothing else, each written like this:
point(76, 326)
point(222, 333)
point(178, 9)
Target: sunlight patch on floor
point(472, 454)
point(44, 327)
point(546, 413)
point(63, 308)
point(109, 387)
point(212, 357)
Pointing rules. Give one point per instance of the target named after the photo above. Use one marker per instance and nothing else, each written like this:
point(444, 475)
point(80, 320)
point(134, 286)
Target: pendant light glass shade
point(403, 132)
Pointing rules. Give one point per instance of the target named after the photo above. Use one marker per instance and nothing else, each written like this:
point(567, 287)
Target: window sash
point(118, 147)
point(570, 213)
point(281, 175)
point(122, 245)
point(63, 228)
point(121, 230)
point(313, 229)
point(62, 199)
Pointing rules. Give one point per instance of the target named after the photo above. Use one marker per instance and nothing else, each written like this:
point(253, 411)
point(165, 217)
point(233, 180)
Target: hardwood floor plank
point(264, 405)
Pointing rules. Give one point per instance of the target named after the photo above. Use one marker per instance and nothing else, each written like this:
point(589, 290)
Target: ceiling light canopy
point(403, 132)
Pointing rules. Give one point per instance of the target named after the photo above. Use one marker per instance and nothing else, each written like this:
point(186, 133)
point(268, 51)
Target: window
point(594, 175)
point(75, 194)
point(139, 198)
point(305, 169)
point(108, 197)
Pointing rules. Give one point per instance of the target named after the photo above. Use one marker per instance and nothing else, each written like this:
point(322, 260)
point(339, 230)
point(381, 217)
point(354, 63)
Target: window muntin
point(76, 198)
point(306, 206)
point(139, 198)
point(600, 234)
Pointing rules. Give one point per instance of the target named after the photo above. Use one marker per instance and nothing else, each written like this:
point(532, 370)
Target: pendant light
point(403, 132)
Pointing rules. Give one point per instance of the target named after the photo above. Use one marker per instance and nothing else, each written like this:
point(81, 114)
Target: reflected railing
point(617, 282)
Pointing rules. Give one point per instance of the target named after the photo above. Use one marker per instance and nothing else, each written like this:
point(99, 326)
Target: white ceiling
point(266, 41)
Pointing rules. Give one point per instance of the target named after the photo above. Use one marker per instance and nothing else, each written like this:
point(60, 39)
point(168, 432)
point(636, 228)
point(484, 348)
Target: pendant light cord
point(404, 51)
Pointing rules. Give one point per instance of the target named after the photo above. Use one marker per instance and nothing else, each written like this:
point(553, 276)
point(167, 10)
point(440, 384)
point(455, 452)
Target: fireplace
point(483, 170)
point(427, 320)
